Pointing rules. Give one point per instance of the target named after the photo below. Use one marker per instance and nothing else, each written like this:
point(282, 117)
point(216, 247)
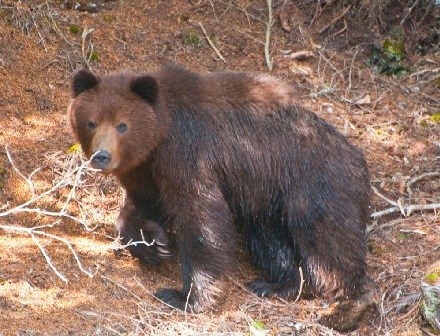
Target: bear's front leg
point(207, 245)
point(145, 238)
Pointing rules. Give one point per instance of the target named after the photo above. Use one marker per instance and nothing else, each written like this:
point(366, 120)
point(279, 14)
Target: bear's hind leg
point(277, 259)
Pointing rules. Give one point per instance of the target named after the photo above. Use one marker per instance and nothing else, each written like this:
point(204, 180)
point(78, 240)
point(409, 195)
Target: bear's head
point(118, 119)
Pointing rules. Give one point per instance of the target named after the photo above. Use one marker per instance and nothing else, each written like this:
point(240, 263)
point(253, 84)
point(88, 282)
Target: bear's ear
point(145, 87)
point(82, 81)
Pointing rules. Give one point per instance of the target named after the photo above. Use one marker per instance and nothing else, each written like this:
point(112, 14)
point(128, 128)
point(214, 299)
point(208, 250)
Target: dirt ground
point(63, 276)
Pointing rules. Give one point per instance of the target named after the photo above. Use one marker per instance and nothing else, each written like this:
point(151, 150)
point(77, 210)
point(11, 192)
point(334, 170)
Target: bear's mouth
point(105, 170)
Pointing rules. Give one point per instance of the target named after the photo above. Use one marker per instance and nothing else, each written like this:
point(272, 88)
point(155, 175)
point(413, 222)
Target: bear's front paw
point(145, 241)
point(150, 254)
point(174, 298)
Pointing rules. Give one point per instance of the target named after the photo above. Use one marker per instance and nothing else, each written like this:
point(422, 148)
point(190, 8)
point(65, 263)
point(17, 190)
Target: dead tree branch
point(407, 210)
point(38, 232)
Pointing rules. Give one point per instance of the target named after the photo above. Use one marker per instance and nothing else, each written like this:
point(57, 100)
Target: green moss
point(376, 249)
point(191, 37)
point(388, 60)
point(2, 178)
point(394, 46)
point(108, 19)
point(74, 29)
point(435, 118)
point(431, 278)
point(258, 328)
point(93, 56)
point(405, 236)
point(6, 12)
point(258, 325)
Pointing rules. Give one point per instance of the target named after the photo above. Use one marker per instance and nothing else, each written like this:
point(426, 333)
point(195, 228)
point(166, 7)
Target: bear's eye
point(91, 125)
point(121, 128)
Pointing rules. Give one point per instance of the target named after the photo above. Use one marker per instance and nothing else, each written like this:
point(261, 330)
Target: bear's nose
point(101, 159)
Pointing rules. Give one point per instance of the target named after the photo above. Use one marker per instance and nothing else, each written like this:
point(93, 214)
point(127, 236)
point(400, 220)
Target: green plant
point(431, 278)
point(389, 59)
point(93, 56)
point(74, 29)
point(191, 37)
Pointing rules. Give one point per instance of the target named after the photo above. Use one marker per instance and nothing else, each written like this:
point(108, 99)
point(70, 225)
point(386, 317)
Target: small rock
point(430, 305)
point(364, 101)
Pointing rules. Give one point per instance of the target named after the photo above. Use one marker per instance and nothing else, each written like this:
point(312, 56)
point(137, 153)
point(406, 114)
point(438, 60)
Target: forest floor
point(62, 276)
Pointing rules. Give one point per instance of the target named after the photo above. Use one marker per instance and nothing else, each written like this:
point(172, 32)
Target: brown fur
point(219, 157)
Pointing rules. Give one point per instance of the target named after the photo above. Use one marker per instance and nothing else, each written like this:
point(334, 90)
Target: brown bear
point(227, 157)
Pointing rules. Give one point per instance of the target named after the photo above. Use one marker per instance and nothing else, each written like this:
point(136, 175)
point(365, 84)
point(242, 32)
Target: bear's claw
point(263, 288)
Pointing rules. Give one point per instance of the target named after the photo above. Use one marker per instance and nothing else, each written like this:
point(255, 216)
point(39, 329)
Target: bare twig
point(211, 43)
point(420, 232)
point(38, 32)
point(116, 246)
point(24, 207)
point(301, 284)
point(54, 25)
point(187, 299)
point(435, 70)
point(317, 12)
point(27, 179)
point(269, 61)
point(33, 232)
point(383, 318)
point(383, 197)
point(408, 12)
point(347, 91)
point(418, 178)
point(48, 259)
point(86, 32)
point(408, 209)
point(342, 30)
point(345, 11)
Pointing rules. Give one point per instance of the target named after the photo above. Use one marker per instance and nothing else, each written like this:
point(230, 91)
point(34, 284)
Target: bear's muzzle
point(101, 159)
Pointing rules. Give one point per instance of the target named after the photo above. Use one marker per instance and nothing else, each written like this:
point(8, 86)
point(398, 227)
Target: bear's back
point(215, 92)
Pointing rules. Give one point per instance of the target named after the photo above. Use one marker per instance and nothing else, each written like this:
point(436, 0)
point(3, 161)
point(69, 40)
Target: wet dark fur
point(216, 154)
